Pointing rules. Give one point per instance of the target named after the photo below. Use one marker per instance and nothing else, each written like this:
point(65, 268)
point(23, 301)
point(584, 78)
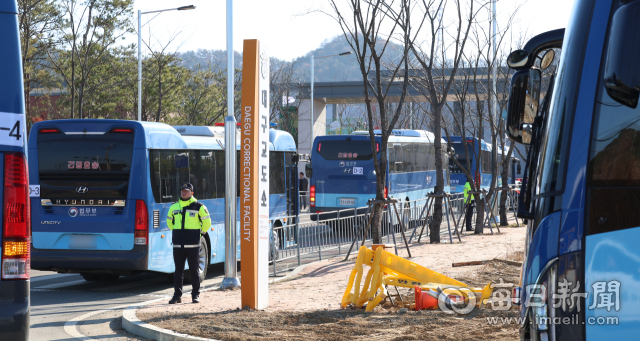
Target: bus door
point(291, 186)
point(292, 191)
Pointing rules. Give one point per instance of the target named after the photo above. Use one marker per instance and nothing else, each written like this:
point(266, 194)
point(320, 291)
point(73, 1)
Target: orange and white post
point(254, 176)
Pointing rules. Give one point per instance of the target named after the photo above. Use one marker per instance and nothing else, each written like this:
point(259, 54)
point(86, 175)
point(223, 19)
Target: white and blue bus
point(15, 228)
point(343, 175)
point(106, 187)
point(482, 170)
point(582, 192)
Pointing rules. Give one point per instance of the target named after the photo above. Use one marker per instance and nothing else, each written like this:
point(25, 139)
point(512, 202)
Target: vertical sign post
point(254, 176)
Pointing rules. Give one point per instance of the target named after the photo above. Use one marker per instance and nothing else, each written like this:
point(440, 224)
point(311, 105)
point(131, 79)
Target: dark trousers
point(469, 216)
point(191, 256)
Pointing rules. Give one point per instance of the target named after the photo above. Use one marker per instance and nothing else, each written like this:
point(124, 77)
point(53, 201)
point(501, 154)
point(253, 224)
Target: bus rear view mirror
point(522, 108)
point(517, 58)
point(308, 170)
point(622, 71)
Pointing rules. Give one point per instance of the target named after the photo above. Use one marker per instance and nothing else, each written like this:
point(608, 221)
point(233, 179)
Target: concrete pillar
point(304, 126)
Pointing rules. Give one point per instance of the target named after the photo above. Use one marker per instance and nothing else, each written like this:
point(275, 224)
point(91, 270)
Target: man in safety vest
point(188, 219)
point(468, 199)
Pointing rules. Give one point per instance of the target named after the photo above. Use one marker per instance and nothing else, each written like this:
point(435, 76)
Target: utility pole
point(230, 229)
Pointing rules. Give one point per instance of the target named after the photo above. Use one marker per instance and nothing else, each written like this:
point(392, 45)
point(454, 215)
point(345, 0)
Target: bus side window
point(276, 172)
point(431, 157)
point(395, 158)
point(397, 167)
point(421, 157)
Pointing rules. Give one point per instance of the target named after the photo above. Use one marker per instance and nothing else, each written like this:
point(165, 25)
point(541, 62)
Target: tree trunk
point(506, 162)
point(159, 92)
point(434, 226)
point(503, 201)
point(479, 216)
point(376, 224)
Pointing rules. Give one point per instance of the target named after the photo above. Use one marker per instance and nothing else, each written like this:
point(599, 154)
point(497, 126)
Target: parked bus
point(106, 187)
point(343, 176)
point(581, 195)
point(15, 231)
point(483, 173)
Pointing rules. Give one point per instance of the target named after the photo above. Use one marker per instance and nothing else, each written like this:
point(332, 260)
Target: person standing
point(187, 220)
point(303, 186)
point(468, 200)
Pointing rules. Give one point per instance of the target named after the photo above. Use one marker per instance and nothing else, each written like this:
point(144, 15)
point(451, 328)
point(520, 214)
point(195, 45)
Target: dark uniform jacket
point(187, 219)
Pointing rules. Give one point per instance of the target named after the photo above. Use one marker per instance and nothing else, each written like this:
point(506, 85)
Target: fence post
point(318, 235)
point(274, 262)
point(338, 229)
point(298, 237)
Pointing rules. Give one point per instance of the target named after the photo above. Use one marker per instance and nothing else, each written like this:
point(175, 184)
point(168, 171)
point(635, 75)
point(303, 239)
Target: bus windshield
point(461, 154)
point(358, 150)
point(101, 165)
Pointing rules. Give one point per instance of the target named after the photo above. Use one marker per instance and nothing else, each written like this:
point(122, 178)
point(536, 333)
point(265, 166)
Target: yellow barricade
point(389, 269)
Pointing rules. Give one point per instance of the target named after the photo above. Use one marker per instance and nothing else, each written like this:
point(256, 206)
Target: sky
point(287, 27)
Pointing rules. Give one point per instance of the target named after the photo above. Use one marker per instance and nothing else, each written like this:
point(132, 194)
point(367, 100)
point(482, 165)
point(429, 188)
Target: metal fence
point(329, 234)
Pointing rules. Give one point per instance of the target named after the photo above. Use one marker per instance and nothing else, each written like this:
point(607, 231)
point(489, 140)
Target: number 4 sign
point(11, 129)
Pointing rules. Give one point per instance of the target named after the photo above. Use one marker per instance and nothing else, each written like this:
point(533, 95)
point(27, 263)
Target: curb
point(133, 325)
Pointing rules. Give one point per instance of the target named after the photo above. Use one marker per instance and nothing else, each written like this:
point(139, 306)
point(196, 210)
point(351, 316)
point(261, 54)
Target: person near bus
point(187, 219)
point(303, 185)
point(468, 200)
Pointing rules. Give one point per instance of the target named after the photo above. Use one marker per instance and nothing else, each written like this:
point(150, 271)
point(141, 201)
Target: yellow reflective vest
point(467, 189)
point(188, 219)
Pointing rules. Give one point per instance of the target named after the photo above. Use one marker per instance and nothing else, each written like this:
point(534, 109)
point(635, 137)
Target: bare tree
point(284, 84)
point(38, 21)
point(361, 24)
point(438, 74)
point(91, 29)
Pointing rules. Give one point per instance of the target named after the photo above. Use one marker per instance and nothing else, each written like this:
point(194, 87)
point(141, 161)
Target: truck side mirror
point(308, 171)
point(622, 71)
point(522, 108)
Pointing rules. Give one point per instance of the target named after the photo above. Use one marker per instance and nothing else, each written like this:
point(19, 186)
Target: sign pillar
point(254, 176)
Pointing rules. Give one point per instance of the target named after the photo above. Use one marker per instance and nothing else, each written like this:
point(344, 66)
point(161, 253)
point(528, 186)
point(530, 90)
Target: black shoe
point(195, 299)
point(175, 300)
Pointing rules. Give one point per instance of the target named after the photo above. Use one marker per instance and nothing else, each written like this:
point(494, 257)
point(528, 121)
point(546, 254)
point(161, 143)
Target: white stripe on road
point(70, 326)
point(47, 277)
point(60, 285)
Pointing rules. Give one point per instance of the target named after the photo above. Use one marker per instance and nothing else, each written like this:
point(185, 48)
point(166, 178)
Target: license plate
point(83, 241)
point(357, 170)
point(347, 202)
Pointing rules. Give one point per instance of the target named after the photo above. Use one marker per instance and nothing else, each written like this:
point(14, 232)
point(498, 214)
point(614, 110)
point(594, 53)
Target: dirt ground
point(307, 307)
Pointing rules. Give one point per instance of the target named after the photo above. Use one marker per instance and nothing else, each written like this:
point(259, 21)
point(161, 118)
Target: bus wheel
point(203, 263)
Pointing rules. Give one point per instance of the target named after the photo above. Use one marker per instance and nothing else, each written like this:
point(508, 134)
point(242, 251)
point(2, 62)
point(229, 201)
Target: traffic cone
point(424, 300)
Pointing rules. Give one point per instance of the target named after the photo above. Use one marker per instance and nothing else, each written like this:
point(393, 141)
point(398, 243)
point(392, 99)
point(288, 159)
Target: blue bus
point(106, 187)
point(580, 277)
point(343, 176)
point(15, 231)
point(483, 173)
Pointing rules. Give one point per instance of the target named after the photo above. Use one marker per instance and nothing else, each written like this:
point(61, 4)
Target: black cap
point(188, 186)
